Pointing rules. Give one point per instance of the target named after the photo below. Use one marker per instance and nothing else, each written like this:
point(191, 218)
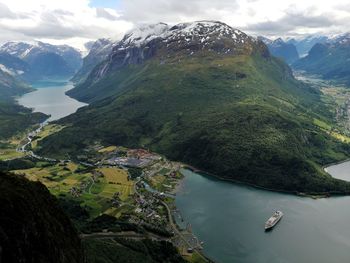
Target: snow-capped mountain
point(24, 50)
point(281, 49)
point(43, 60)
point(12, 65)
point(184, 39)
point(171, 44)
point(144, 33)
point(10, 85)
point(201, 33)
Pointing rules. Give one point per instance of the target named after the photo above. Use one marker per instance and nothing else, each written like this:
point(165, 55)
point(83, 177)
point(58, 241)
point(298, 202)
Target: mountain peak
point(199, 30)
point(205, 29)
point(171, 44)
point(144, 33)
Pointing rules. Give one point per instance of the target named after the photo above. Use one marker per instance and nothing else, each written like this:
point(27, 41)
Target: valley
point(167, 92)
point(177, 142)
point(134, 189)
point(144, 192)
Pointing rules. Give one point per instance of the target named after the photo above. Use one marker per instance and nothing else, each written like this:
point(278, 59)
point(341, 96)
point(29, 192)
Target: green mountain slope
point(240, 115)
point(119, 250)
point(33, 228)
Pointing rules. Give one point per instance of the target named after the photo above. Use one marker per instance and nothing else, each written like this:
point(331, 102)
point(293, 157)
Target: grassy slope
point(243, 118)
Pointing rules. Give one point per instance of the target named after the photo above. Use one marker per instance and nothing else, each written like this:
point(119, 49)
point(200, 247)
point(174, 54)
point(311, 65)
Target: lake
point(50, 98)
point(230, 219)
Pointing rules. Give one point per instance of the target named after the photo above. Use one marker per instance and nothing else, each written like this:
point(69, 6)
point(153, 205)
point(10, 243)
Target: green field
point(60, 179)
point(46, 131)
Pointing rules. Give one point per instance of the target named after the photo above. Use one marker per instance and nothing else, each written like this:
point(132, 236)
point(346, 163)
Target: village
point(133, 185)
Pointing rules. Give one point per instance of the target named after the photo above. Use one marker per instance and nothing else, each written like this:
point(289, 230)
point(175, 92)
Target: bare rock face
point(98, 52)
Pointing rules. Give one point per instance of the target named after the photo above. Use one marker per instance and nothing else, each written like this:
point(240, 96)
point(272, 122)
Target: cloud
point(104, 13)
point(64, 20)
point(78, 21)
point(5, 12)
point(174, 11)
point(289, 23)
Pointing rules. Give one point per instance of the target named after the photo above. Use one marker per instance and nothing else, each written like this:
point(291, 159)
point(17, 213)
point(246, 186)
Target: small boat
point(273, 220)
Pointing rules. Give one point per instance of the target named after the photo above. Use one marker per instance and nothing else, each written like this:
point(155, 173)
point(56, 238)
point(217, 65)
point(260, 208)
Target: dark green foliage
point(33, 227)
point(134, 172)
point(74, 210)
point(130, 251)
point(158, 230)
point(15, 118)
point(110, 223)
point(22, 163)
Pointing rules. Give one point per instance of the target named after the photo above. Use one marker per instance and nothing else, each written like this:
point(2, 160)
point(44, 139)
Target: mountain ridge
point(229, 108)
point(330, 60)
point(41, 60)
point(170, 44)
point(281, 49)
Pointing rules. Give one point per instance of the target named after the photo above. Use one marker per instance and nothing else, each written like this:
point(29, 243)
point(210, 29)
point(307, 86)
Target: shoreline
point(177, 189)
point(313, 195)
point(324, 167)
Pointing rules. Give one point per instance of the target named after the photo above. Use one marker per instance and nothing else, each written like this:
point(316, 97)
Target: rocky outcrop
point(98, 52)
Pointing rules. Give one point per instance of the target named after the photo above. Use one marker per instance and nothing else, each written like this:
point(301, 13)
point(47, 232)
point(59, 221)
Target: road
point(176, 230)
point(121, 234)
point(127, 234)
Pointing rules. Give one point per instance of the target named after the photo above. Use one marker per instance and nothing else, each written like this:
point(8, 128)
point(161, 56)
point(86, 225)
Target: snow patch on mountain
point(144, 33)
point(7, 70)
point(24, 49)
point(201, 31)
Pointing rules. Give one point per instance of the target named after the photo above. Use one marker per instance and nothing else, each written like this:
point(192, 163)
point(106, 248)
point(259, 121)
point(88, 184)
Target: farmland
point(92, 188)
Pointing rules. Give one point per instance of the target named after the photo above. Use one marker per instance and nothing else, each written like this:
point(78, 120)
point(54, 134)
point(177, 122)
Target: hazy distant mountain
point(89, 45)
point(10, 86)
point(12, 64)
point(208, 95)
point(98, 52)
point(331, 60)
point(44, 60)
point(281, 49)
point(304, 45)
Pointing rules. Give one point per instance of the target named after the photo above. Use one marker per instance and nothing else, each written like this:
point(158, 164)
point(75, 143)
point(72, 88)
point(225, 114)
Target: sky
point(75, 22)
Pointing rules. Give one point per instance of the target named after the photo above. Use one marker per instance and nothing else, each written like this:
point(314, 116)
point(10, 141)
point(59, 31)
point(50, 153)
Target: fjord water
point(50, 98)
point(230, 219)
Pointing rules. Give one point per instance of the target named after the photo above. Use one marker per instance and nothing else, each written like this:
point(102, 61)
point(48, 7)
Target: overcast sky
point(77, 21)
